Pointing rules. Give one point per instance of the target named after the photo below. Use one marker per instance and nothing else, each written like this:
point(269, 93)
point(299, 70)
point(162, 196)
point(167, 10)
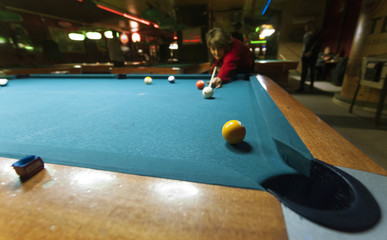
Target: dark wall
point(191, 17)
point(47, 39)
point(339, 24)
point(51, 45)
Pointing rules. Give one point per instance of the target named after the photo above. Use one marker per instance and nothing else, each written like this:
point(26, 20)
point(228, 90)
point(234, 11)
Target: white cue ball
point(171, 79)
point(207, 92)
point(3, 81)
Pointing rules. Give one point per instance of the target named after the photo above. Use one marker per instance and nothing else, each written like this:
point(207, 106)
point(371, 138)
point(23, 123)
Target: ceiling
point(86, 11)
point(168, 6)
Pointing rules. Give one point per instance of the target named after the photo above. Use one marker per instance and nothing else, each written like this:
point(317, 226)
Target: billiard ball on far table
point(171, 79)
point(148, 80)
point(3, 81)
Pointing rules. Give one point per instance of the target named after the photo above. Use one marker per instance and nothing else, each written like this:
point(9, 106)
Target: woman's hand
point(216, 82)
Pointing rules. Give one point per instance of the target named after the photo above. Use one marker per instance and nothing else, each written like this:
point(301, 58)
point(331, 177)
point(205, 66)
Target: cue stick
point(212, 77)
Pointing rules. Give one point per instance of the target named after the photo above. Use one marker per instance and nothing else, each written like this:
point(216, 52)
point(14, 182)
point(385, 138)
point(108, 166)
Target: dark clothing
point(238, 60)
point(308, 63)
point(311, 42)
point(115, 54)
point(309, 56)
point(51, 50)
point(238, 36)
point(321, 67)
point(339, 71)
point(323, 57)
point(118, 63)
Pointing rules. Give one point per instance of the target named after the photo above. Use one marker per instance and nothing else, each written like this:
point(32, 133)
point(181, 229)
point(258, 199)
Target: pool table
point(58, 69)
point(95, 67)
point(107, 68)
point(171, 68)
point(276, 69)
point(182, 181)
point(88, 68)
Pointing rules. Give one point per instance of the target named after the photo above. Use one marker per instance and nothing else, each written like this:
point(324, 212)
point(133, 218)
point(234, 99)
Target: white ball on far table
point(3, 81)
point(207, 92)
point(171, 79)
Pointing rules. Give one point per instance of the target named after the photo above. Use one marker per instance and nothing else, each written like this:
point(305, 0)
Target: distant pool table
point(141, 68)
point(276, 69)
point(169, 68)
point(109, 68)
point(125, 158)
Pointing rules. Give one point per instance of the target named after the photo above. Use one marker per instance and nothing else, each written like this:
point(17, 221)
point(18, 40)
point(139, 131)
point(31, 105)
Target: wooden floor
point(63, 202)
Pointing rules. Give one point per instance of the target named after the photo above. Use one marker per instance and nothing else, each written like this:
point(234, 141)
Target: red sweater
point(238, 60)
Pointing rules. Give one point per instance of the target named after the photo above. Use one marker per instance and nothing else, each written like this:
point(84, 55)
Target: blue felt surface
point(164, 130)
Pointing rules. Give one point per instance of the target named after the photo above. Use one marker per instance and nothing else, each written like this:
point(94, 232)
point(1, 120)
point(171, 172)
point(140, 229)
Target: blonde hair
point(218, 38)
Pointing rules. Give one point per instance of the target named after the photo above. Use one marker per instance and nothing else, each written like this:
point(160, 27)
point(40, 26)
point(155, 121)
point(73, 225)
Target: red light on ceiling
point(136, 19)
point(191, 40)
point(131, 17)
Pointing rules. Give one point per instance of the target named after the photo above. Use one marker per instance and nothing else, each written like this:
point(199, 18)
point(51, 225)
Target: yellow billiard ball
point(148, 80)
point(233, 132)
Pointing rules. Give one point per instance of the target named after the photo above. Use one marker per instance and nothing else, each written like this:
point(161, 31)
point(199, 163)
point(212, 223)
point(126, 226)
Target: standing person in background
point(230, 55)
point(310, 52)
point(115, 53)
